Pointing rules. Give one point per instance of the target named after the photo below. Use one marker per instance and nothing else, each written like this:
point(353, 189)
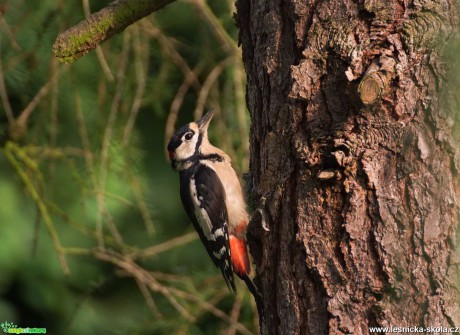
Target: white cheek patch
point(186, 149)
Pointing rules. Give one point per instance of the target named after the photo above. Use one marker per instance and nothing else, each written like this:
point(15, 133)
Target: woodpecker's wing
point(203, 197)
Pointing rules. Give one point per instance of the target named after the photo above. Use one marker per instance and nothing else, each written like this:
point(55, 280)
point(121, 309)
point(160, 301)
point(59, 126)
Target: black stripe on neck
point(198, 144)
point(196, 158)
point(212, 157)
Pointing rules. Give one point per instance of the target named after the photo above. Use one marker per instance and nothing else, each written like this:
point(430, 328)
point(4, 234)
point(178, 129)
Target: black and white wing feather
point(203, 197)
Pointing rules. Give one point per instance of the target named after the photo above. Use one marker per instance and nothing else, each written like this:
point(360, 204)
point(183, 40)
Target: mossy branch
point(80, 39)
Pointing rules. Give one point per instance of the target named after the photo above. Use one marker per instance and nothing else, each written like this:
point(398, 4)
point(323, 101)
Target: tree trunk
point(353, 151)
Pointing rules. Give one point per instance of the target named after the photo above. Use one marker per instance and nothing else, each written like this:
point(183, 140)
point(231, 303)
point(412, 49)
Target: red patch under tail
point(240, 258)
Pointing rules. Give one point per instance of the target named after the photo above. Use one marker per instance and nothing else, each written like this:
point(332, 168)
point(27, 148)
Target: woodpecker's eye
point(188, 136)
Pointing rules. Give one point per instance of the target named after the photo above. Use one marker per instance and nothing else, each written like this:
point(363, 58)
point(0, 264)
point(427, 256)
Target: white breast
point(236, 206)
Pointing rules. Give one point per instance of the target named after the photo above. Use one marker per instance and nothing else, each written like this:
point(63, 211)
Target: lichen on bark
point(80, 39)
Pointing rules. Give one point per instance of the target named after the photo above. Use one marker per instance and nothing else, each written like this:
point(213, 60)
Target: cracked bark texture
point(352, 147)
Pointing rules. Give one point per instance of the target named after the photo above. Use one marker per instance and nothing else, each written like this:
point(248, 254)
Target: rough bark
point(352, 148)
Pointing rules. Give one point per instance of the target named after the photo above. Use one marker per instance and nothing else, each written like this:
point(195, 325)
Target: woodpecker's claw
point(263, 216)
point(263, 213)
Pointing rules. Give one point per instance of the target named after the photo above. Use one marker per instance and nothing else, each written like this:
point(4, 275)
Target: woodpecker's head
point(187, 141)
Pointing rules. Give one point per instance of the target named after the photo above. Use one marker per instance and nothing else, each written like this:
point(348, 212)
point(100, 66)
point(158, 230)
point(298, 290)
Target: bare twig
point(146, 278)
point(141, 57)
point(54, 108)
point(148, 298)
point(106, 144)
point(18, 128)
point(100, 26)
point(172, 52)
point(11, 150)
point(170, 293)
point(4, 95)
point(178, 100)
point(162, 247)
point(9, 33)
point(212, 309)
point(219, 31)
point(234, 315)
point(136, 186)
point(212, 77)
point(89, 160)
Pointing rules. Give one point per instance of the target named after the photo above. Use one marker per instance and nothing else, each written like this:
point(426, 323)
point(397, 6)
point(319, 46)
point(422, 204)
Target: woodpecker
point(211, 195)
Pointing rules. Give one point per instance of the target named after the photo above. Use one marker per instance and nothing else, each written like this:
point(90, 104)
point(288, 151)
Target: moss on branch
point(80, 39)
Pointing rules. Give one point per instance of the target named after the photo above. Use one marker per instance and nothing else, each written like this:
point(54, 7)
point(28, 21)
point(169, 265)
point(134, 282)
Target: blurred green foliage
point(94, 238)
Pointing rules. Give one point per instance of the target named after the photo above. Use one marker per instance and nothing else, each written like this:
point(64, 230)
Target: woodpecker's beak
point(203, 123)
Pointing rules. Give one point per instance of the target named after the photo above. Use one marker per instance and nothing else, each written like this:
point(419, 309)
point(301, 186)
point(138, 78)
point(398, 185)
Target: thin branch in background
point(111, 225)
point(4, 94)
point(136, 187)
point(177, 102)
point(235, 314)
point(171, 51)
point(149, 299)
point(102, 92)
point(106, 142)
point(88, 154)
point(169, 277)
point(141, 58)
point(99, 53)
point(20, 125)
point(166, 291)
point(108, 240)
point(141, 61)
point(212, 309)
point(10, 151)
point(14, 44)
point(141, 204)
point(104, 65)
point(54, 107)
point(210, 80)
point(84, 138)
point(165, 246)
point(53, 126)
point(36, 233)
point(135, 271)
point(220, 124)
point(41, 153)
point(80, 302)
point(227, 42)
point(64, 216)
point(118, 198)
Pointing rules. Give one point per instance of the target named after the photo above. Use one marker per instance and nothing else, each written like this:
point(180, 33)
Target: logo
point(11, 328)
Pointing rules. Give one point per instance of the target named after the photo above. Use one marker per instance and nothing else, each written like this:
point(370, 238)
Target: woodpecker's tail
point(242, 268)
